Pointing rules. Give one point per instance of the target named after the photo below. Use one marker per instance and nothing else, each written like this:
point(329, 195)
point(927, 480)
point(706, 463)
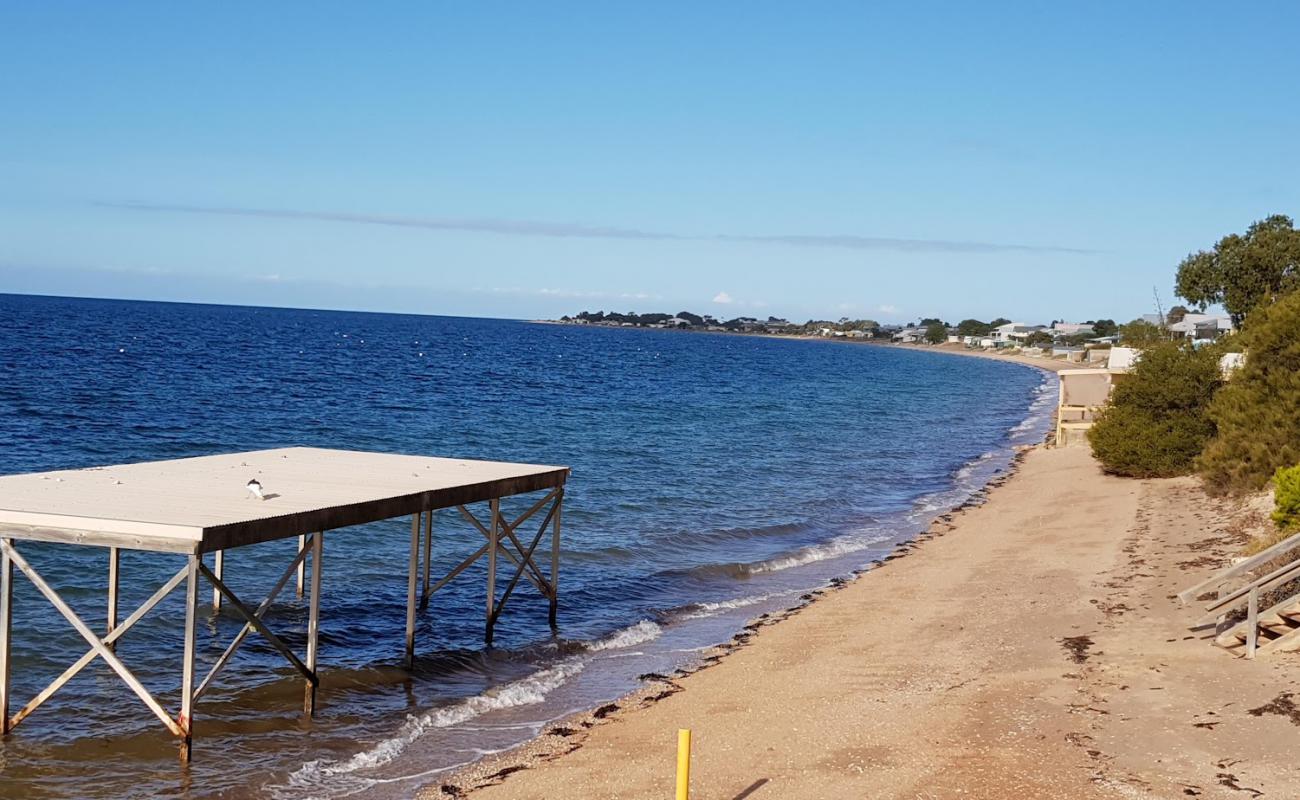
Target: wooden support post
point(6, 630)
point(313, 620)
point(218, 569)
point(555, 560)
point(428, 557)
point(494, 533)
point(302, 565)
point(113, 563)
point(413, 573)
point(1252, 622)
point(187, 665)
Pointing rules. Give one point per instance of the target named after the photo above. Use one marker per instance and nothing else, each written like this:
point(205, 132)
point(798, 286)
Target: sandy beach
point(1030, 646)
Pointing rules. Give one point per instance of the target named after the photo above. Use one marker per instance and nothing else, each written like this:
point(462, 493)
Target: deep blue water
point(714, 476)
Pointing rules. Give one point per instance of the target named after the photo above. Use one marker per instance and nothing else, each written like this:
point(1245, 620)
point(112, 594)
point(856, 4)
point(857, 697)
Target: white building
point(1071, 328)
point(1202, 326)
point(1014, 333)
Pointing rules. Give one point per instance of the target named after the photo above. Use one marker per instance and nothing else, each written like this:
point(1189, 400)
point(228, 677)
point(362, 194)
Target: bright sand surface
point(1027, 647)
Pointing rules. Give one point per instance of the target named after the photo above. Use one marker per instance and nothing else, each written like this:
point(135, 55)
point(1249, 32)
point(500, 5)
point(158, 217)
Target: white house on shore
point(1200, 327)
point(1014, 333)
point(1071, 329)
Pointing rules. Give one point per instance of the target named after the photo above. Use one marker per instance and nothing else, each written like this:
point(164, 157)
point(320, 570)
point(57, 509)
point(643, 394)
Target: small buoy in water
point(121, 349)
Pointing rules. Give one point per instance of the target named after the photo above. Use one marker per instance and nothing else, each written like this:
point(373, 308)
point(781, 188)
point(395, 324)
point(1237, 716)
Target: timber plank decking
point(202, 504)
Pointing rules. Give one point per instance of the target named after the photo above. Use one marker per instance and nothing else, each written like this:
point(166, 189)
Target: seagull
point(255, 489)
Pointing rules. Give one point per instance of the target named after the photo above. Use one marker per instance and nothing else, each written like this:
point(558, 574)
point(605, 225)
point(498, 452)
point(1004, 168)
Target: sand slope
point(1034, 650)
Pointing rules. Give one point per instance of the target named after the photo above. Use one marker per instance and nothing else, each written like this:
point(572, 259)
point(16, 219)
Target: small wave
point(967, 470)
point(336, 776)
point(702, 610)
point(640, 633)
point(840, 546)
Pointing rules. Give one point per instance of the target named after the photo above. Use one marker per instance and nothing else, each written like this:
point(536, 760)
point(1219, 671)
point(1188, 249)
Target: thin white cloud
point(723, 298)
point(886, 308)
point(514, 227)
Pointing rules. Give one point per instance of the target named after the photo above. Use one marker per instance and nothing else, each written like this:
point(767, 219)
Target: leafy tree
point(1157, 422)
point(1039, 338)
point(1141, 334)
point(1242, 272)
point(928, 321)
point(694, 319)
point(973, 327)
point(1256, 413)
point(998, 322)
point(1104, 327)
point(936, 332)
point(1175, 315)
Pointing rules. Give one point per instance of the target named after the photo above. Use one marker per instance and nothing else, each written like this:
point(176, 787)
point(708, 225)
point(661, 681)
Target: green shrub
point(1257, 415)
point(1286, 496)
point(1156, 423)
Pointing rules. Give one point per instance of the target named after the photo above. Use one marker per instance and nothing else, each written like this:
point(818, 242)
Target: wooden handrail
point(1232, 571)
point(1274, 578)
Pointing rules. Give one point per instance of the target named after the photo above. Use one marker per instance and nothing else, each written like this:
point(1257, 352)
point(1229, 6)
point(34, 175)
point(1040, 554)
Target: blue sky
point(1034, 161)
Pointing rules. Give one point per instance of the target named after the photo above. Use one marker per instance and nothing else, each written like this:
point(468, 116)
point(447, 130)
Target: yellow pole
point(684, 764)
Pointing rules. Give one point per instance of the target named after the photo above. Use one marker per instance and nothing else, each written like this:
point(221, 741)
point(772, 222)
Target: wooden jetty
point(196, 506)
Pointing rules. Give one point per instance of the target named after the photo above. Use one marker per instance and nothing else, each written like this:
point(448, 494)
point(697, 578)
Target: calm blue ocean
point(714, 477)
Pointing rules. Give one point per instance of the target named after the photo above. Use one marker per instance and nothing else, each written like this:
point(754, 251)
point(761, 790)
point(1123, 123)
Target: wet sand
point(1027, 647)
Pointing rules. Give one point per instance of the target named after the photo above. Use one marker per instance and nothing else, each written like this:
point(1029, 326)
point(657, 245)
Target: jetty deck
point(195, 507)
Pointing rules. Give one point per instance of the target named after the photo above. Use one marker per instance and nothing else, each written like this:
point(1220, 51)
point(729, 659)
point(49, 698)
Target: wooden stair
point(1278, 630)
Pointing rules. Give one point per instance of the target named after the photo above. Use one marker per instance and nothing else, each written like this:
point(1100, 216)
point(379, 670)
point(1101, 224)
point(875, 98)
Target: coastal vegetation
point(1157, 422)
point(1175, 413)
point(1255, 414)
point(1286, 499)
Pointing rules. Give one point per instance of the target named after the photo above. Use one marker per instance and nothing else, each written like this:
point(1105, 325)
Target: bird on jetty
point(255, 489)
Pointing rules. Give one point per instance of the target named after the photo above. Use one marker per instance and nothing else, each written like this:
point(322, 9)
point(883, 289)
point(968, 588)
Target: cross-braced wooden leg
point(428, 558)
point(412, 575)
point(6, 630)
point(313, 620)
point(114, 561)
point(555, 561)
point(187, 666)
point(302, 565)
point(494, 532)
point(218, 569)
